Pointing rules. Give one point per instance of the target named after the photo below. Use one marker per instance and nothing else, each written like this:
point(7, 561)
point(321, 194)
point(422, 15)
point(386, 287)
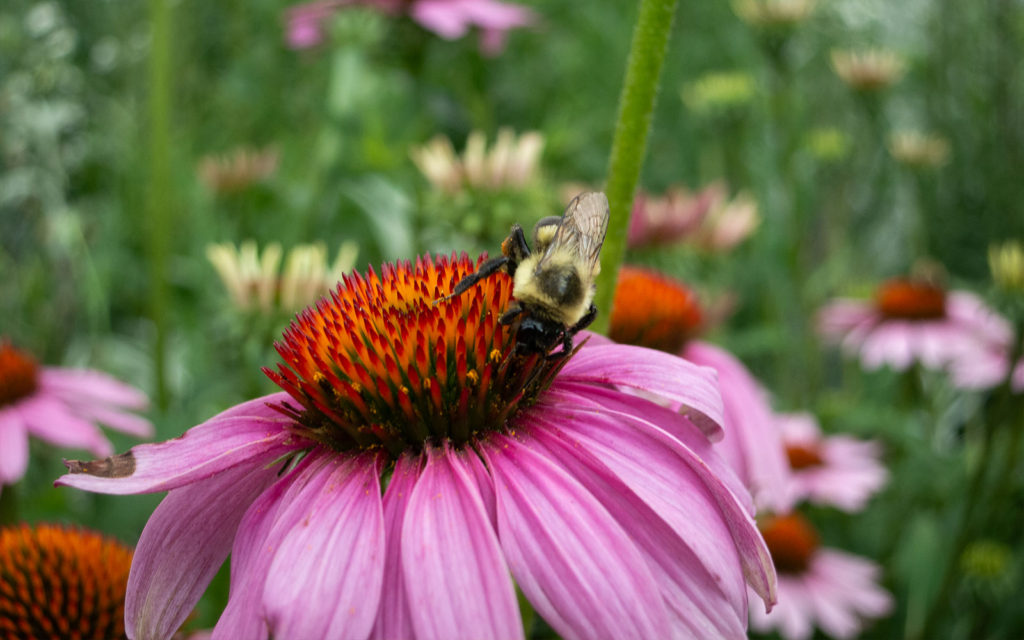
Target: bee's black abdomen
point(561, 284)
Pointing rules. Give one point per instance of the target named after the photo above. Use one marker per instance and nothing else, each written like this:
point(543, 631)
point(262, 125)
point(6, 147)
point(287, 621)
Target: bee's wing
point(581, 230)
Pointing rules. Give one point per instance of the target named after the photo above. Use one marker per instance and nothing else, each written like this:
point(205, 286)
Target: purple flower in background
point(912, 322)
point(836, 470)
point(60, 406)
point(415, 466)
point(818, 587)
point(450, 19)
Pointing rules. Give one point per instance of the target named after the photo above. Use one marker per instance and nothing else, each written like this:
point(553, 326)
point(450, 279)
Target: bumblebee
point(553, 286)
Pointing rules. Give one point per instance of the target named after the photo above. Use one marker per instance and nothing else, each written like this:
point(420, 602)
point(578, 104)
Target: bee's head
point(537, 335)
point(544, 231)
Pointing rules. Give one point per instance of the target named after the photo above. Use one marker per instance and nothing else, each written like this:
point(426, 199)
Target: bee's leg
point(565, 350)
point(513, 311)
point(514, 247)
point(488, 268)
point(585, 321)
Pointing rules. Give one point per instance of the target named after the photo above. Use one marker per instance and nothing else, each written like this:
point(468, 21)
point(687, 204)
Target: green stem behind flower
point(158, 191)
point(636, 104)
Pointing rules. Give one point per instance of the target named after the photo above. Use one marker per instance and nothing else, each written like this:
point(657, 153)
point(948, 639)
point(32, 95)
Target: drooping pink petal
point(184, 543)
point(49, 419)
point(269, 518)
point(335, 555)
point(613, 403)
point(572, 560)
point(696, 604)
point(662, 374)
point(83, 386)
point(394, 619)
point(656, 465)
point(13, 446)
point(455, 576)
point(250, 430)
point(752, 443)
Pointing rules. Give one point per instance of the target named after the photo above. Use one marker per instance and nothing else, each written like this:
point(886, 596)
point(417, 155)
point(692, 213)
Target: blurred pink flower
point(917, 322)
point(450, 19)
point(398, 486)
point(837, 470)
point(708, 219)
point(831, 589)
point(652, 310)
point(59, 406)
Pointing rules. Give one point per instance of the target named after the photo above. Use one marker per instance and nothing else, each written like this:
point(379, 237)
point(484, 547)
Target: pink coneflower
point(450, 19)
point(914, 321)
point(60, 406)
point(657, 312)
point(825, 588)
point(836, 470)
point(708, 220)
point(414, 462)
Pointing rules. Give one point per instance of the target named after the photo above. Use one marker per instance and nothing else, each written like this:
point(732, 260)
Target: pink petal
point(118, 420)
point(394, 619)
point(441, 17)
point(50, 420)
point(696, 604)
point(614, 403)
point(841, 316)
point(455, 576)
point(575, 564)
point(83, 386)
point(662, 374)
point(490, 14)
point(334, 555)
point(249, 430)
point(752, 443)
point(269, 518)
point(185, 542)
point(13, 446)
point(682, 489)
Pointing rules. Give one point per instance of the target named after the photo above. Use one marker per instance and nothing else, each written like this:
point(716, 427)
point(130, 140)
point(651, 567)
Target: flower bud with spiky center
point(61, 583)
point(19, 374)
point(388, 362)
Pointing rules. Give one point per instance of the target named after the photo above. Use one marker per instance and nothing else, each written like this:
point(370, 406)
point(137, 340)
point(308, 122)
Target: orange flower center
point(803, 456)
point(18, 374)
point(61, 583)
point(653, 311)
point(791, 540)
point(911, 300)
point(385, 362)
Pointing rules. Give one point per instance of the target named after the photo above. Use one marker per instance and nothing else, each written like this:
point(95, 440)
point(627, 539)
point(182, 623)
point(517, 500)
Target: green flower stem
point(158, 188)
point(636, 105)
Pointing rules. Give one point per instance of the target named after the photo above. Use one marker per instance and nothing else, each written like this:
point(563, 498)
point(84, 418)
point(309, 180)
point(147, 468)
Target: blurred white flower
point(773, 13)
point(232, 172)
point(916, 149)
point(254, 282)
point(511, 162)
point(868, 69)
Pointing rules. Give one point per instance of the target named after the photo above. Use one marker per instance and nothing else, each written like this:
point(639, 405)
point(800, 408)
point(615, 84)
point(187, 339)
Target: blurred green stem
point(629, 145)
point(158, 190)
